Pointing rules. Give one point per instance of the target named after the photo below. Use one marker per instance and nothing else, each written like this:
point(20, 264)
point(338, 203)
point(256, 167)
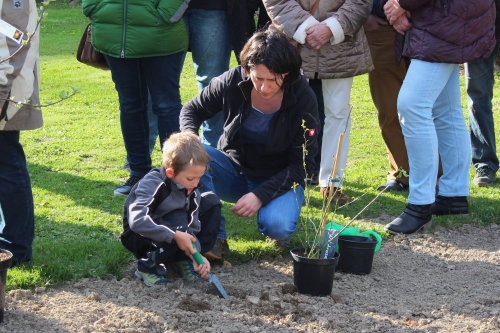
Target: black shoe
point(484, 177)
point(124, 189)
point(394, 185)
point(450, 206)
point(414, 217)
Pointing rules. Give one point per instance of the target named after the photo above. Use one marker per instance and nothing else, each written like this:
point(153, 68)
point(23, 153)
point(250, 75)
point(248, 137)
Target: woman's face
point(266, 83)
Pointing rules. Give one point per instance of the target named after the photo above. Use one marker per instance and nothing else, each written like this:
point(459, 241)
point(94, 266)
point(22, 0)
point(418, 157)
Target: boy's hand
point(184, 242)
point(202, 270)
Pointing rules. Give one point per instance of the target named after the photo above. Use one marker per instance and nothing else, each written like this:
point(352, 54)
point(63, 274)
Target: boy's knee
point(208, 201)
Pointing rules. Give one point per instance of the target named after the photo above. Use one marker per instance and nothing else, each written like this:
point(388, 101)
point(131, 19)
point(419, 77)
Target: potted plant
point(314, 264)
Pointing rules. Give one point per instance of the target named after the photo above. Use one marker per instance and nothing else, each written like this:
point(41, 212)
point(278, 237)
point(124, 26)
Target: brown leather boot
point(338, 198)
point(220, 249)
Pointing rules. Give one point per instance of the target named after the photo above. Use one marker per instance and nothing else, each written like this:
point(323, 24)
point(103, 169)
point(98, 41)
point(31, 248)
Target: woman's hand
point(318, 35)
point(247, 205)
point(393, 10)
point(402, 24)
point(202, 270)
point(185, 242)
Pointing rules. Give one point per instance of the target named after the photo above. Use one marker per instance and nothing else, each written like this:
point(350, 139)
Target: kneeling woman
point(270, 113)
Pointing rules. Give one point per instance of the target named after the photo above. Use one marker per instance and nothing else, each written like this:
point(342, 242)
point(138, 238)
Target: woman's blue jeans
point(211, 50)
point(433, 125)
point(133, 79)
point(278, 219)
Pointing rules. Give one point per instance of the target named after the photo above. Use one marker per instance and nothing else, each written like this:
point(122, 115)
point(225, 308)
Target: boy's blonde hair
point(183, 149)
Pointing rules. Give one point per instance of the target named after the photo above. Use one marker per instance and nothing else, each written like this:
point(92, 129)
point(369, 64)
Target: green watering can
point(354, 231)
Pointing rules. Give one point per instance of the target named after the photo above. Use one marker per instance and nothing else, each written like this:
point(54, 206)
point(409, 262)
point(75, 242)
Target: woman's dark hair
point(272, 49)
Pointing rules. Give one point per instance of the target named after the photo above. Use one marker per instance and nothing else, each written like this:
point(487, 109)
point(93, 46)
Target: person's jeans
point(277, 219)
point(17, 226)
point(211, 50)
point(133, 79)
point(480, 81)
point(432, 121)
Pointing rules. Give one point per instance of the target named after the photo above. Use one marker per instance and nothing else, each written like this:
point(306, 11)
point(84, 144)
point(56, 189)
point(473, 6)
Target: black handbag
point(87, 54)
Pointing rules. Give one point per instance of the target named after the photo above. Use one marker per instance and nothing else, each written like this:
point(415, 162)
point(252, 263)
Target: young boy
point(165, 213)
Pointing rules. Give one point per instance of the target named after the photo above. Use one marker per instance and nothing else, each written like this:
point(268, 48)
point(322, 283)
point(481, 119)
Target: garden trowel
point(211, 277)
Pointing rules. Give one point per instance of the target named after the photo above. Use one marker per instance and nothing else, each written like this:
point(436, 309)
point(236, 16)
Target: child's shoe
point(150, 279)
point(187, 271)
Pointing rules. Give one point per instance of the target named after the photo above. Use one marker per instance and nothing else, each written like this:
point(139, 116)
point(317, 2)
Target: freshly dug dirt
point(446, 281)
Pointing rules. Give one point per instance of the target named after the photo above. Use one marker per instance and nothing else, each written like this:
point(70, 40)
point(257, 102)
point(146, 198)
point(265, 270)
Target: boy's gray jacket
point(152, 199)
point(347, 54)
point(19, 75)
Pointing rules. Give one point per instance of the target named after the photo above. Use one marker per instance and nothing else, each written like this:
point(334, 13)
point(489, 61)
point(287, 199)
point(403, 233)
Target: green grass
point(75, 162)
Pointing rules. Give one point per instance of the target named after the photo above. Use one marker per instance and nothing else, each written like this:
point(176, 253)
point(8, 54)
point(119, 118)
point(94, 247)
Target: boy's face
point(189, 177)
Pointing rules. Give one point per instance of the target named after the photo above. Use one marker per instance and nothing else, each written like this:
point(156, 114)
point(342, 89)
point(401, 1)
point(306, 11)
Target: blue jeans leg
point(224, 180)
point(133, 79)
point(17, 227)
point(479, 81)
point(211, 51)
point(162, 75)
point(272, 219)
point(429, 113)
point(278, 219)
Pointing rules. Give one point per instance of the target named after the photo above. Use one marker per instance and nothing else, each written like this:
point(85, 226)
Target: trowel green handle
point(197, 256)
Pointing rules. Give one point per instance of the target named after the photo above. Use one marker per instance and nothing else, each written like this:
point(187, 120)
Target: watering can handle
point(376, 236)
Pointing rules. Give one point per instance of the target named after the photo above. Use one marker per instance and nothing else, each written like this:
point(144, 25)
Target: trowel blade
point(215, 281)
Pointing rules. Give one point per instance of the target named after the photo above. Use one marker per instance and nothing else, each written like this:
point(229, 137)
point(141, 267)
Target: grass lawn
point(76, 158)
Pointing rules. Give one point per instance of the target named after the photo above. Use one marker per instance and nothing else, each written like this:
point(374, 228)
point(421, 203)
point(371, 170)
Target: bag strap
point(314, 7)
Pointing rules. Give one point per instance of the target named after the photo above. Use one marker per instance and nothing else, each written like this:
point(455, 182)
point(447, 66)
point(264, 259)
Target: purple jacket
point(450, 31)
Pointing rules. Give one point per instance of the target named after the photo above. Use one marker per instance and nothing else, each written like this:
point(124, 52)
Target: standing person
point(267, 107)
point(385, 81)
point(334, 49)
point(439, 35)
point(144, 43)
point(480, 81)
point(19, 80)
point(216, 27)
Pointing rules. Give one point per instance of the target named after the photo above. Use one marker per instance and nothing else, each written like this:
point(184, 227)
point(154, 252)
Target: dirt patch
point(447, 281)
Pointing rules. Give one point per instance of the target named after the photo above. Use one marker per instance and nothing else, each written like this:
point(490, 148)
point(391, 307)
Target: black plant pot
point(356, 254)
point(313, 276)
point(5, 262)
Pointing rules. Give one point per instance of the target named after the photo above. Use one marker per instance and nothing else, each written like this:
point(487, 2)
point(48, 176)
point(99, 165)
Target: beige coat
point(19, 76)
point(347, 54)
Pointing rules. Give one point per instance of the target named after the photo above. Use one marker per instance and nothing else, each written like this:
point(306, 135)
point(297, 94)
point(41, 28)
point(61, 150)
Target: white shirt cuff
point(337, 31)
point(300, 34)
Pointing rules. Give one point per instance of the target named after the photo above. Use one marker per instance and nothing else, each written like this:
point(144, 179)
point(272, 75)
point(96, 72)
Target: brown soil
point(446, 281)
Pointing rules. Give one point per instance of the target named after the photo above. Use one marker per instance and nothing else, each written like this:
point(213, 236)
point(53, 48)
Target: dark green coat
point(137, 28)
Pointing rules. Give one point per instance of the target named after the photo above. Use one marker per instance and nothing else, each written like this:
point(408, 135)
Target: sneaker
point(125, 188)
point(339, 198)
point(484, 177)
point(450, 206)
point(187, 272)
point(393, 185)
point(220, 249)
point(151, 280)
